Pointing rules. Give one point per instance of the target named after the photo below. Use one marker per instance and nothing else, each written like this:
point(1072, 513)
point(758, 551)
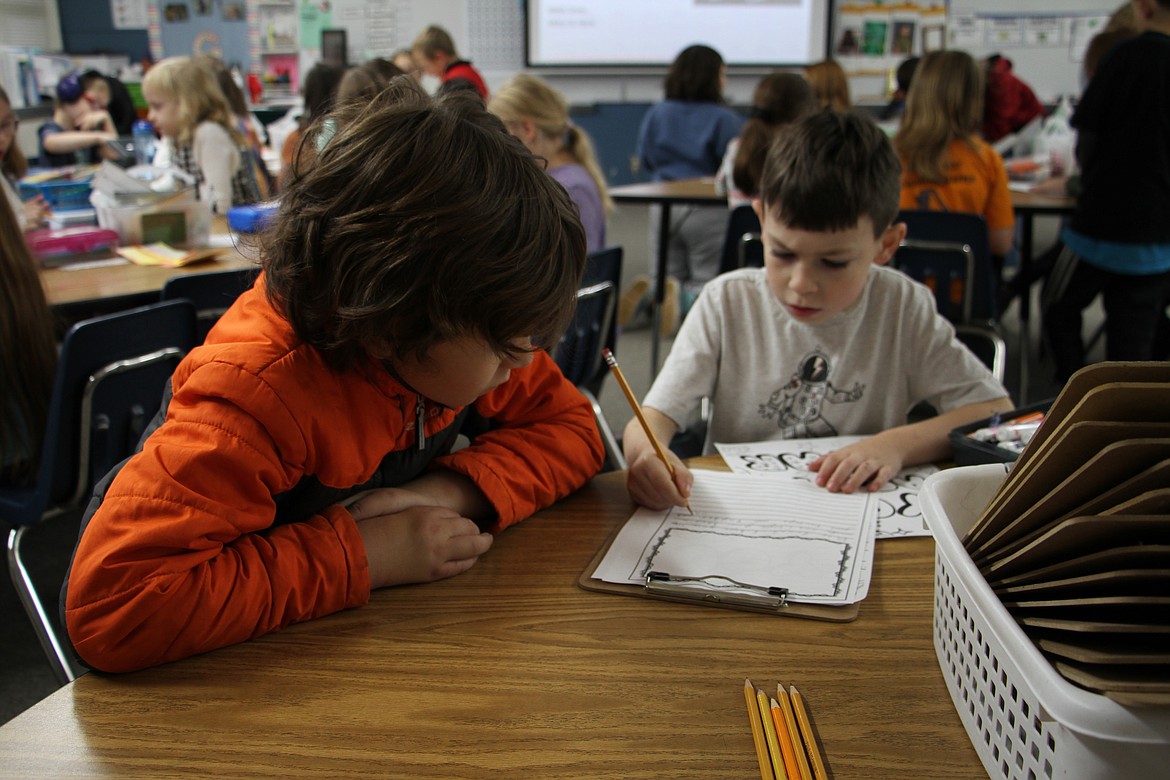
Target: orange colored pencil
point(810, 738)
point(749, 694)
point(787, 746)
point(804, 771)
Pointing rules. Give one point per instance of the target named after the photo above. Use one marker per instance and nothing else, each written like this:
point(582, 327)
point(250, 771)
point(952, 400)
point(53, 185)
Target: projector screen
point(587, 33)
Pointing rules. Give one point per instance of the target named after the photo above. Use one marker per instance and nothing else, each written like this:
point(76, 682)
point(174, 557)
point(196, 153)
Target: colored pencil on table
point(753, 707)
point(803, 770)
point(611, 361)
point(787, 749)
point(770, 737)
point(810, 738)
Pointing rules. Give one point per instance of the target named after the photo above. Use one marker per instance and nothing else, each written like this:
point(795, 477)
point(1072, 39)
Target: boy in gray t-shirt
point(823, 340)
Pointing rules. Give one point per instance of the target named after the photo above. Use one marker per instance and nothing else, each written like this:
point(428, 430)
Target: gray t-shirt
point(772, 377)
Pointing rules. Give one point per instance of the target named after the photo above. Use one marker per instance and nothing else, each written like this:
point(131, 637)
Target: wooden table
point(511, 669)
point(112, 287)
point(700, 192)
point(1027, 207)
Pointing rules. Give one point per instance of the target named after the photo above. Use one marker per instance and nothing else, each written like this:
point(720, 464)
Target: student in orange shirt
point(304, 455)
point(945, 164)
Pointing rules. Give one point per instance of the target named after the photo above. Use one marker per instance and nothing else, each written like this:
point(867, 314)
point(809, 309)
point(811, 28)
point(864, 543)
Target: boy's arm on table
point(870, 463)
point(648, 479)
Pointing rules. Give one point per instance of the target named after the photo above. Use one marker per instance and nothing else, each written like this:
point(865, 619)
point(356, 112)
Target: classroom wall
point(87, 27)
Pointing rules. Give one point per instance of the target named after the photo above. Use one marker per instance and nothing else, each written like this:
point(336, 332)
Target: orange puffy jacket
point(226, 525)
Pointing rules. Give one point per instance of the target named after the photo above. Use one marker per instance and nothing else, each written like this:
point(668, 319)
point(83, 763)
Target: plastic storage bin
point(184, 222)
point(1025, 720)
point(966, 451)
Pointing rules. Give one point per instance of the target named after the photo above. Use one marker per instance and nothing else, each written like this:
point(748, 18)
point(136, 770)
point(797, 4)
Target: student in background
point(106, 93)
point(903, 77)
point(830, 84)
point(28, 356)
point(246, 124)
point(77, 133)
point(434, 52)
point(779, 99)
point(319, 90)
point(404, 61)
point(198, 128)
point(30, 214)
point(1117, 242)
point(538, 115)
point(807, 346)
point(945, 165)
point(1009, 103)
point(366, 81)
point(682, 137)
point(304, 456)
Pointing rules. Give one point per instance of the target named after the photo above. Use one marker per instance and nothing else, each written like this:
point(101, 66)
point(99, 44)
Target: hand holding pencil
point(657, 477)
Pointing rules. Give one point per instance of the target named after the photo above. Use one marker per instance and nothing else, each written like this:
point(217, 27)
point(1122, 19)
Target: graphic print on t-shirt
point(797, 405)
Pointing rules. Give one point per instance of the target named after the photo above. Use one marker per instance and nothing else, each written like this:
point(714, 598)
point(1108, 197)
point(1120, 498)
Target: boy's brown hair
point(420, 221)
point(826, 171)
point(434, 39)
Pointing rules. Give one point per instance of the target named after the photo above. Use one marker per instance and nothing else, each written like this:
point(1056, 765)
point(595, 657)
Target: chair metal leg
point(612, 450)
point(57, 657)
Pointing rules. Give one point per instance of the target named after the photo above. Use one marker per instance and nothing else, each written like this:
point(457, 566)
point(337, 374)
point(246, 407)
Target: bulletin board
point(1044, 39)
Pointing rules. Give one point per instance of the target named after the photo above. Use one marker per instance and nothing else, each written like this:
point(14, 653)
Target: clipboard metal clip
point(706, 588)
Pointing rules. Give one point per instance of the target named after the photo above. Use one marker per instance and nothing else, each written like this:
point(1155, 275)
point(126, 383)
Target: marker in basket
point(611, 361)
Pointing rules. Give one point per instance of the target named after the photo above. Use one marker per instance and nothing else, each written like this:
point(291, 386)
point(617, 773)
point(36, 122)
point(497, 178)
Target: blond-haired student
point(824, 340)
point(198, 129)
point(538, 115)
point(945, 164)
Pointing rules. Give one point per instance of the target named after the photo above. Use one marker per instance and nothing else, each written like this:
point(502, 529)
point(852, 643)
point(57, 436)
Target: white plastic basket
point(1025, 720)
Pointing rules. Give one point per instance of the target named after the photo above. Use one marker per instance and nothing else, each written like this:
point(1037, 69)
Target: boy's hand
point(649, 482)
point(866, 465)
point(409, 539)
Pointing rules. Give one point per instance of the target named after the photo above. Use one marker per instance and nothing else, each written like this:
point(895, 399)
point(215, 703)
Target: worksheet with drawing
point(764, 533)
point(898, 512)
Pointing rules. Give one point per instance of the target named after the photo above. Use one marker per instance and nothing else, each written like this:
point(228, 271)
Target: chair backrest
point(987, 345)
point(960, 227)
point(110, 379)
point(741, 245)
point(212, 293)
point(947, 268)
point(603, 265)
point(579, 353)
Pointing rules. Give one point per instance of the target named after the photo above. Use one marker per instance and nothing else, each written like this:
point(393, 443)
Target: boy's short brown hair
point(434, 39)
point(828, 170)
point(420, 221)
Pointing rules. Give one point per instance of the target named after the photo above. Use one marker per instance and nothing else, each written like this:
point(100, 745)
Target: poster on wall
point(129, 14)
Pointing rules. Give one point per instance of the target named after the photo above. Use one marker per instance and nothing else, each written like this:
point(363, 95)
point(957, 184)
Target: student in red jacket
point(434, 51)
point(304, 454)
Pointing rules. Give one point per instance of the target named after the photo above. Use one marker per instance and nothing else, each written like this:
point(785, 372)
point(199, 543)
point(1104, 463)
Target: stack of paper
point(1076, 542)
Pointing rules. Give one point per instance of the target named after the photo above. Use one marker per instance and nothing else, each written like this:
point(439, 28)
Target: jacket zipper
point(420, 409)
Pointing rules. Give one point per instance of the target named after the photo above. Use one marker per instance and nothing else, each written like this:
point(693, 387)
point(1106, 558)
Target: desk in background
point(665, 194)
point(512, 668)
point(86, 290)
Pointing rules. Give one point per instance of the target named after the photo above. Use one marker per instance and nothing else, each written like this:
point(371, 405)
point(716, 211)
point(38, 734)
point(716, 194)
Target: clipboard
point(710, 598)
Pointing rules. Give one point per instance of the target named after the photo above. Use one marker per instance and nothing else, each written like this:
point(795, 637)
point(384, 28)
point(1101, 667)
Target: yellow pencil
point(753, 707)
point(787, 748)
point(770, 737)
point(611, 361)
point(810, 738)
point(804, 772)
